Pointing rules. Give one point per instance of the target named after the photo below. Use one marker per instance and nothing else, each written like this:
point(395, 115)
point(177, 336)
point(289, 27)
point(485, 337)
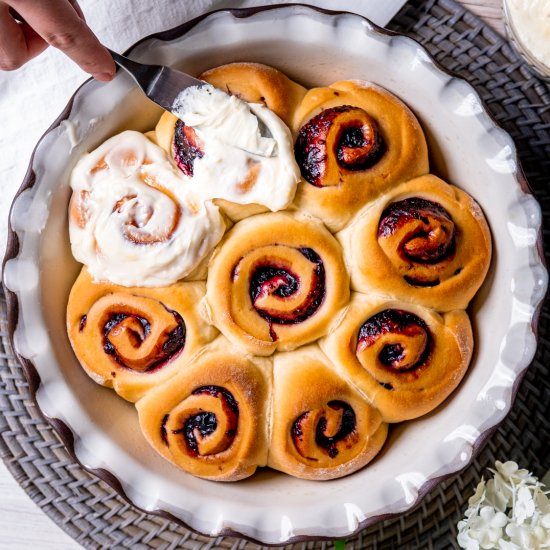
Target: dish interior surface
point(466, 149)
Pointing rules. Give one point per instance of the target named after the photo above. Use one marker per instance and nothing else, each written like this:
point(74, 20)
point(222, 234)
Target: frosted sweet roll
point(133, 221)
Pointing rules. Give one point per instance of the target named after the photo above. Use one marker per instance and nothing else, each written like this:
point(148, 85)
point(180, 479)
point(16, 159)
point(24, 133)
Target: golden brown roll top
point(132, 339)
point(405, 358)
point(210, 420)
point(276, 282)
point(321, 427)
point(257, 83)
point(425, 241)
point(354, 141)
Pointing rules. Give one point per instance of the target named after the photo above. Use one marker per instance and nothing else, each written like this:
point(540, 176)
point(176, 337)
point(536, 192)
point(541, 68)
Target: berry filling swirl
point(337, 140)
point(419, 236)
point(394, 341)
point(284, 294)
point(324, 431)
point(204, 424)
point(186, 147)
point(136, 332)
point(276, 283)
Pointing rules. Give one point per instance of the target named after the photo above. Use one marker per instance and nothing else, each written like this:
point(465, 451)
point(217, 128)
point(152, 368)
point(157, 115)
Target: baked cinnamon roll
point(210, 420)
point(425, 241)
point(354, 141)
point(275, 283)
point(256, 176)
point(132, 339)
point(405, 358)
point(321, 427)
point(133, 220)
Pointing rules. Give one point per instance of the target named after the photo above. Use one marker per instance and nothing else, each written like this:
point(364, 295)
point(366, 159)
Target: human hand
point(28, 27)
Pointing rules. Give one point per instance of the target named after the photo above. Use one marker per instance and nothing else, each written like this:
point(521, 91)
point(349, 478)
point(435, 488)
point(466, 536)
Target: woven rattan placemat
point(92, 513)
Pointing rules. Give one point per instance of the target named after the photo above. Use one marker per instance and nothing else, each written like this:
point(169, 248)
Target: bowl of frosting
point(528, 27)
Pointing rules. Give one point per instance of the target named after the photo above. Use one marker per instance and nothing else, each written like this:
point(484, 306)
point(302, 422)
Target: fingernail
point(103, 77)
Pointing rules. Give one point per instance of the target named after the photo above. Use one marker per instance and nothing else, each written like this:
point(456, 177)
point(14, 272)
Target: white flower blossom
point(522, 535)
point(525, 505)
point(511, 511)
point(507, 545)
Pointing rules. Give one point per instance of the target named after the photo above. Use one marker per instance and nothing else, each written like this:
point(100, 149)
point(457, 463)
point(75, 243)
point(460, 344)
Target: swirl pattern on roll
point(209, 420)
point(405, 358)
point(132, 339)
point(354, 142)
point(275, 282)
point(426, 242)
point(132, 218)
point(337, 139)
point(325, 431)
point(398, 340)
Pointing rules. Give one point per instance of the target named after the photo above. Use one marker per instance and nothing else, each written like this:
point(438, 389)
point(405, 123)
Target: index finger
point(57, 22)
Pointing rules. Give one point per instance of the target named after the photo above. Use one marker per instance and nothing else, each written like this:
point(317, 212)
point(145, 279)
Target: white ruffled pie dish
point(466, 148)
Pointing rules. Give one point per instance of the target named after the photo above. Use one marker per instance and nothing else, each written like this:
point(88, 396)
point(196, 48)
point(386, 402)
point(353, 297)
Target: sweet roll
point(211, 419)
point(275, 282)
point(216, 140)
point(354, 141)
point(425, 241)
point(404, 358)
point(132, 339)
point(133, 221)
point(322, 428)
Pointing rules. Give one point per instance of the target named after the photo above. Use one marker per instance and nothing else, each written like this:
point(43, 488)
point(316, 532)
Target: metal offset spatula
point(160, 84)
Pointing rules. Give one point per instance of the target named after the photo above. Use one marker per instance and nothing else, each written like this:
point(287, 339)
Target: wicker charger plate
point(95, 516)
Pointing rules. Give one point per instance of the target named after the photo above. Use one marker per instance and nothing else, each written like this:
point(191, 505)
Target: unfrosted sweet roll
point(405, 358)
point(354, 141)
point(425, 241)
point(132, 339)
point(255, 176)
point(133, 219)
point(211, 420)
point(322, 428)
point(275, 282)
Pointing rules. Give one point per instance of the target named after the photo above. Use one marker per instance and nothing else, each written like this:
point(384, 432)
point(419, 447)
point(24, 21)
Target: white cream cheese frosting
point(247, 149)
point(134, 219)
point(531, 21)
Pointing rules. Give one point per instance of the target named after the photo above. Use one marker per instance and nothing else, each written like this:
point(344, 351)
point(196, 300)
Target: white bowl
point(467, 149)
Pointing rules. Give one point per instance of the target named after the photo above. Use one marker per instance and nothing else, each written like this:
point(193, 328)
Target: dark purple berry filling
point(328, 443)
point(186, 147)
point(354, 148)
point(173, 343)
point(205, 422)
point(396, 322)
point(435, 248)
point(282, 282)
point(163, 433)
